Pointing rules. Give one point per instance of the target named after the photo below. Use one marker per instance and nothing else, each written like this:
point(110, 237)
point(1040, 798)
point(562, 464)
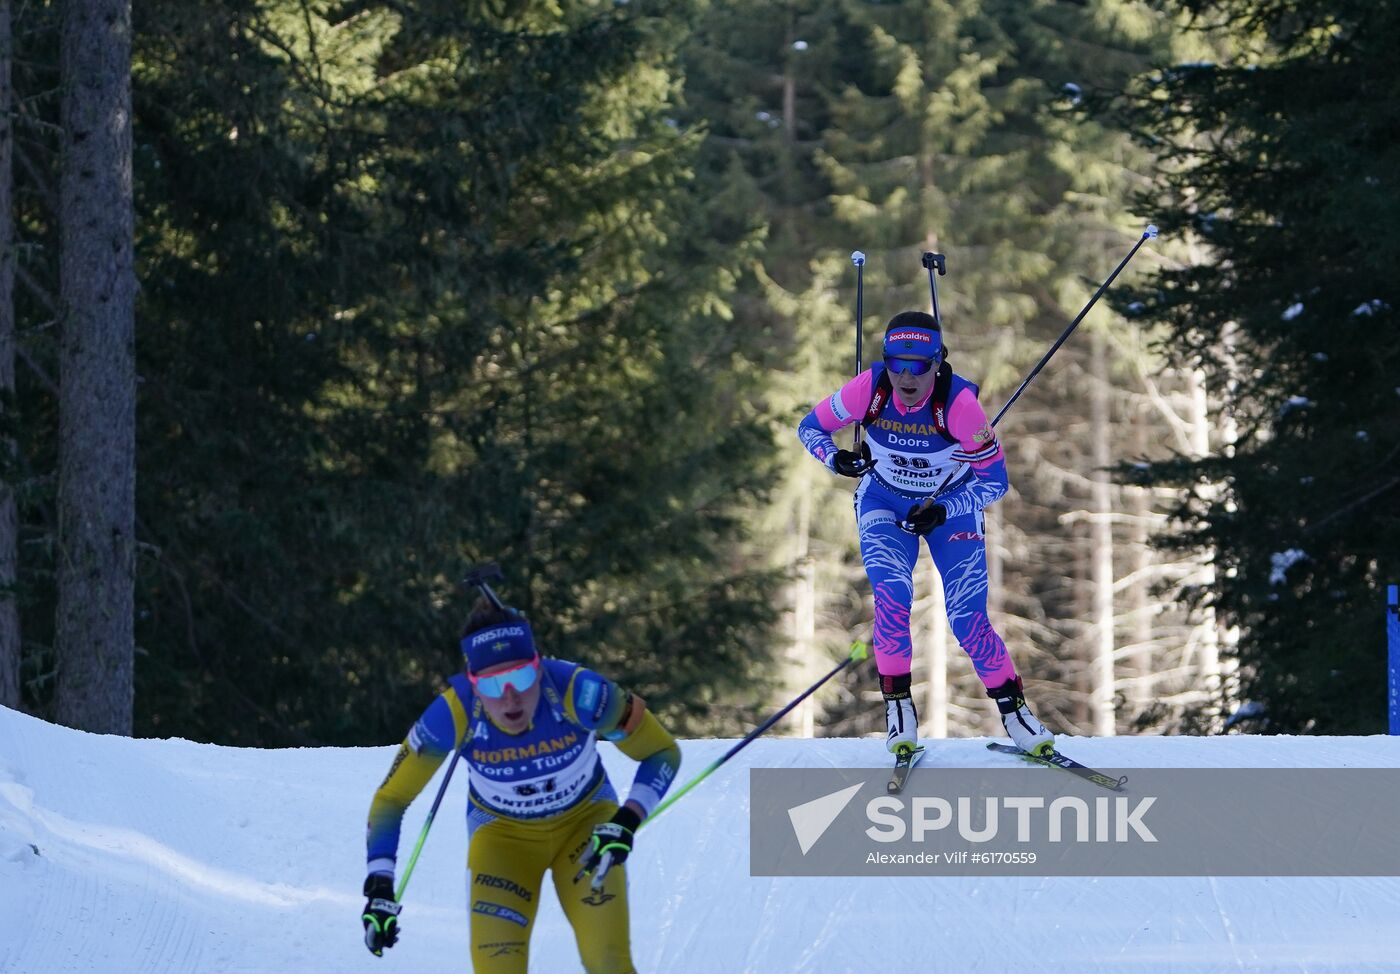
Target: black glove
point(381, 916)
point(923, 517)
point(615, 836)
point(849, 463)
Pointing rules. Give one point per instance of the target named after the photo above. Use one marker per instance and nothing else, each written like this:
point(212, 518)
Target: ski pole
point(930, 261)
point(423, 835)
point(858, 259)
point(1147, 234)
point(859, 653)
point(477, 577)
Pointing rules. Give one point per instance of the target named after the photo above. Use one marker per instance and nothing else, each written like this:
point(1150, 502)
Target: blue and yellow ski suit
point(534, 800)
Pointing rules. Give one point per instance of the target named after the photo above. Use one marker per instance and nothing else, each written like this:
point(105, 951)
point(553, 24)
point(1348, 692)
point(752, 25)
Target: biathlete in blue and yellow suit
point(924, 428)
point(539, 797)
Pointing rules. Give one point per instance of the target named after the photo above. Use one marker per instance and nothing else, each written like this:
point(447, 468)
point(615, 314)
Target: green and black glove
point(613, 836)
point(381, 916)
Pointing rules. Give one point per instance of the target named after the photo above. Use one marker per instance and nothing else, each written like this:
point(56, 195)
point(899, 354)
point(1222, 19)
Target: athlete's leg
point(889, 555)
point(960, 553)
point(599, 918)
point(506, 865)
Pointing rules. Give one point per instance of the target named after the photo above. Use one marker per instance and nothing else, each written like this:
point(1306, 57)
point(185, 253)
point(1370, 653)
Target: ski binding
point(1057, 760)
point(905, 758)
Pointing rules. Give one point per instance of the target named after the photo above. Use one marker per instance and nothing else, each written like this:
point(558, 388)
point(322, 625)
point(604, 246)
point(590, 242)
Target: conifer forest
point(307, 306)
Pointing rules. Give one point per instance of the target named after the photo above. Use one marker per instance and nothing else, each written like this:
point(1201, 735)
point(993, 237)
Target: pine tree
point(32, 411)
point(94, 639)
point(759, 78)
point(10, 642)
point(931, 127)
point(1275, 162)
point(432, 291)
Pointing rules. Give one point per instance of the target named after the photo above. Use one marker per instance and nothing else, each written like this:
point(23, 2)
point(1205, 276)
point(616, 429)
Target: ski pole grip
point(479, 577)
point(600, 874)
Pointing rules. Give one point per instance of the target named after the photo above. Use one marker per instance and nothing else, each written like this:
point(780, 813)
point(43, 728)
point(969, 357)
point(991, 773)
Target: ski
point(903, 763)
point(1057, 760)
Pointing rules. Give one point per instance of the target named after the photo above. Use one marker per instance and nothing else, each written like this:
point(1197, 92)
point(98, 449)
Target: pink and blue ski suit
point(913, 457)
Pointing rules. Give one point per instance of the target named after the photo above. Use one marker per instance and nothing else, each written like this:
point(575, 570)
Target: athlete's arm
point(431, 739)
point(598, 704)
point(979, 448)
point(845, 406)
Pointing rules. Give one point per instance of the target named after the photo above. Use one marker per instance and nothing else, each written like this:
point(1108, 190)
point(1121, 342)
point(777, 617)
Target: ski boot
point(1021, 725)
point(901, 718)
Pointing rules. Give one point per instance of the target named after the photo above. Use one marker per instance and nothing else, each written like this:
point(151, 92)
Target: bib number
point(544, 787)
point(917, 463)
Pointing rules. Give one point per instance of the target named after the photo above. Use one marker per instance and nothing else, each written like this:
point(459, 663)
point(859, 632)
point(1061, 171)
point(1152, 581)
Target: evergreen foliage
point(1279, 165)
point(31, 416)
point(550, 282)
point(896, 128)
point(424, 285)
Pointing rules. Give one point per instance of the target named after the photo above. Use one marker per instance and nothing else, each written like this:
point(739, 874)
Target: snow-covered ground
point(121, 856)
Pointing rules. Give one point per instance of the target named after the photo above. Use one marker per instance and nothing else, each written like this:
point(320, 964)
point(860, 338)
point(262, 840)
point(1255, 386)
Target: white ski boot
point(901, 718)
point(1028, 733)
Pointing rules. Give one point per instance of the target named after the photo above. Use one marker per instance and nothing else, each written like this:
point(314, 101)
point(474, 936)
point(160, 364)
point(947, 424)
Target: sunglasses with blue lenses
point(914, 366)
point(520, 677)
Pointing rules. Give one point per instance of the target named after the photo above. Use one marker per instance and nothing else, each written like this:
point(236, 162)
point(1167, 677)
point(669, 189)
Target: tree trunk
point(804, 615)
point(1143, 692)
point(1081, 673)
point(1101, 532)
point(789, 88)
point(1210, 634)
point(94, 638)
point(9, 520)
point(1227, 656)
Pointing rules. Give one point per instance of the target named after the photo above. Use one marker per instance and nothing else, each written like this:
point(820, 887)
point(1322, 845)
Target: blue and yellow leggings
point(507, 860)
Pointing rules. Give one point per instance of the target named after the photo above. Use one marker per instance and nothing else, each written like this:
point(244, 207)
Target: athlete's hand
point(381, 916)
point(613, 836)
point(923, 517)
point(849, 463)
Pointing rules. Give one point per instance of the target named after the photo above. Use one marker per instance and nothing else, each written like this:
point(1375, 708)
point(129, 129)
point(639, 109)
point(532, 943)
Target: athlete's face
point(513, 709)
point(909, 387)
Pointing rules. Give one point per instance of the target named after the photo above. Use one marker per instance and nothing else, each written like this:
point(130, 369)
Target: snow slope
point(123, 856)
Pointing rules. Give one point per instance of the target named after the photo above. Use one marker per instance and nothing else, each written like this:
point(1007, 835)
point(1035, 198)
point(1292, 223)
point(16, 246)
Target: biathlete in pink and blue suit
point(923, 426)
